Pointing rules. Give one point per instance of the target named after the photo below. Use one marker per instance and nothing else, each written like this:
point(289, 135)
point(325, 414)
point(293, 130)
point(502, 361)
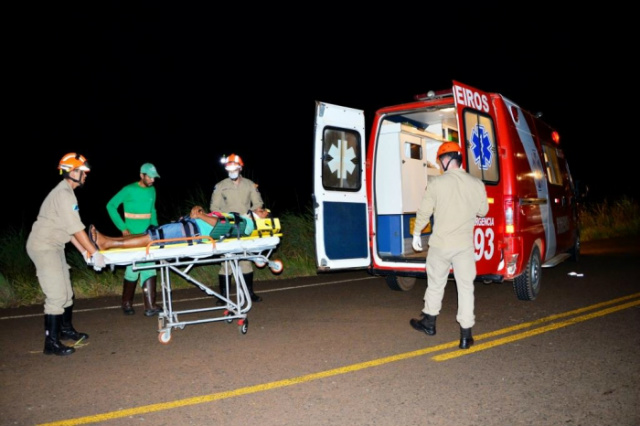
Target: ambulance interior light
point(433, 94)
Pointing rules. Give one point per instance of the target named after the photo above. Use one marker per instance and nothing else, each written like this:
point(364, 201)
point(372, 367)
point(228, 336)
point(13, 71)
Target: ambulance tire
point(527, 284)
point(575, 250)
point(397, 283)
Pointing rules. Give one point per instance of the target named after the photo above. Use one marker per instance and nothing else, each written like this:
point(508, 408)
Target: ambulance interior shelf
point(400, 182)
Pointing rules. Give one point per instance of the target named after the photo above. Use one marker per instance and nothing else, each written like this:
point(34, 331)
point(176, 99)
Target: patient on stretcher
point(199, 223)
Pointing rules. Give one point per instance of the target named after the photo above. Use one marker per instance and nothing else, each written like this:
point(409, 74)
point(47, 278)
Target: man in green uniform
point(236, 194)
point(138, 200)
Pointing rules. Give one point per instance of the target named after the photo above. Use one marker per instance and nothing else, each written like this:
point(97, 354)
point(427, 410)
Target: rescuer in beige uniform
point(240, 195)
point(455, 199)
point(58, 223)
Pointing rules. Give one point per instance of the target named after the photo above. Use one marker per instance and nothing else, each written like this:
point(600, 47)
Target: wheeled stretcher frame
point(181, 258)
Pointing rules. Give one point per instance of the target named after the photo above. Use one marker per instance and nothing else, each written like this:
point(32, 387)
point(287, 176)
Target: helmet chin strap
point(78, 181)
point(447, 166)
point(457, 158)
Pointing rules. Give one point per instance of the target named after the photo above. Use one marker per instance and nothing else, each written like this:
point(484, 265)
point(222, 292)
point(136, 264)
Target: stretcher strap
point(255, 223)
point(189, 229)
point(253, 218)
point(159, 233)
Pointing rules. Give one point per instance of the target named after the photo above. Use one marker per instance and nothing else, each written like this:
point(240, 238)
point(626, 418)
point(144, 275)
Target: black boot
point(427, 324)
point(128, 291)
point(66, 329)
point(52, 343)
point(466, 339)
point(248, 280)
point(223, 289)
point(149, 292)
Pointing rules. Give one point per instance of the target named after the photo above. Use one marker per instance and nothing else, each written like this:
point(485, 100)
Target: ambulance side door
point(339, 191)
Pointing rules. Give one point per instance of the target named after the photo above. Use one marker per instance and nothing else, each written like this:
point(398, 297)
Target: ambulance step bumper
point(556, 260)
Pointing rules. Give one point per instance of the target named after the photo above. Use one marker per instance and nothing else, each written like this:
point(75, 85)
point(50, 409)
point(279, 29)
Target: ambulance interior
point(405, 159)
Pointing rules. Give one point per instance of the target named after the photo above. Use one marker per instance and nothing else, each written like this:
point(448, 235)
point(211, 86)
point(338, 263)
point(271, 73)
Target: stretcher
point(179, 256)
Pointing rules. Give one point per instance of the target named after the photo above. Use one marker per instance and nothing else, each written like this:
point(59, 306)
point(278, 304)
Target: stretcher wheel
point(260, 263)
point(164, 337)
point(227, 314)
point(243, 326)
point(276, 266)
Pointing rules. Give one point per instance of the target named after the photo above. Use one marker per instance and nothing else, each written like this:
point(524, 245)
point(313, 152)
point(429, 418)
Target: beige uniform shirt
point(58, 219)
point(455, 199)
point(228, 197)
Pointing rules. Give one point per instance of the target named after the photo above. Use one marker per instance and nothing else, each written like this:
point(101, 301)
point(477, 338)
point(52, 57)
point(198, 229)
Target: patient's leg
point(131, 241)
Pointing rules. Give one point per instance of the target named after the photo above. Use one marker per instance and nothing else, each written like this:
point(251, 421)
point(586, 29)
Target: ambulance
point(365, 196)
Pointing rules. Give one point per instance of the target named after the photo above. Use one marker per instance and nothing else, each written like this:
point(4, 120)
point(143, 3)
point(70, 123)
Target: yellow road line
point(534, 332)
point(374, 363)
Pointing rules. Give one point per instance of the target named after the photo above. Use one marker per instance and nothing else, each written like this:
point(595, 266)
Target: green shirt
point(136, 200)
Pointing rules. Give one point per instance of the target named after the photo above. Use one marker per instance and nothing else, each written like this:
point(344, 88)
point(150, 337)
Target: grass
point(19, 286)
point(610, 219)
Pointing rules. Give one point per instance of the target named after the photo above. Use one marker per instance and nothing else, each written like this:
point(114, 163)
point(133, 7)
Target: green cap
point(149, 170)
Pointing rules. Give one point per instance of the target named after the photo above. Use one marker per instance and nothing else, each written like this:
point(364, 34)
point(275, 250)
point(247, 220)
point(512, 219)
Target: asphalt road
point(338, 349)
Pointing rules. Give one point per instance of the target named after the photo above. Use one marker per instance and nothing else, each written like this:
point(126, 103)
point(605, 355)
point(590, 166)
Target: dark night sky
point(180, 86)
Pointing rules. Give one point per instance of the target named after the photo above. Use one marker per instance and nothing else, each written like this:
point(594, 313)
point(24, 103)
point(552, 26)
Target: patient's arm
point(198, 212)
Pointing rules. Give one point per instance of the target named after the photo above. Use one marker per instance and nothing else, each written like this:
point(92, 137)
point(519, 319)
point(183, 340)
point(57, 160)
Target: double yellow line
point(544, 329)
point(577, 316)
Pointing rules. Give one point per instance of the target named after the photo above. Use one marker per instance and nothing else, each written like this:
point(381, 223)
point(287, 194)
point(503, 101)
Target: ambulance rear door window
point(480, 144)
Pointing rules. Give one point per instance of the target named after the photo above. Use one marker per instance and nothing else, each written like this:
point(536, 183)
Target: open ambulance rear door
point(339, 190)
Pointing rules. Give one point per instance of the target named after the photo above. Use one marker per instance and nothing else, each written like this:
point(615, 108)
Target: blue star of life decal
point(481, 147)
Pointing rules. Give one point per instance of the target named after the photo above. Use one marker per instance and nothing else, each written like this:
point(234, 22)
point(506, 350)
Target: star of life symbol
point(481, 147)
point(341, 159)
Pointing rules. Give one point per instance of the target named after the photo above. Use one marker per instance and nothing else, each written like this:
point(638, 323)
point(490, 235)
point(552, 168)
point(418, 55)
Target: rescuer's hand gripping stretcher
point(227, 244)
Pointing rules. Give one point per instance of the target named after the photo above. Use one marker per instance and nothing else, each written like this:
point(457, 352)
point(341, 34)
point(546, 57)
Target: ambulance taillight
point(509, 226)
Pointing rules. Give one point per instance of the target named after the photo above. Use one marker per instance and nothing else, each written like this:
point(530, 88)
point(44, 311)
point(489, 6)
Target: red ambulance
point(366, 196)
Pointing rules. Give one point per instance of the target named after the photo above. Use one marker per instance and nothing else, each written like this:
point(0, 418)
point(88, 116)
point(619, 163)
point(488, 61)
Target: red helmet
point(232, 162)
point(72, 161)
point(448, 147)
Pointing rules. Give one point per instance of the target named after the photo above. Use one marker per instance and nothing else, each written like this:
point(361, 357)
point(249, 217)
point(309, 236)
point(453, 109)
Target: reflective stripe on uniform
point(137, 215)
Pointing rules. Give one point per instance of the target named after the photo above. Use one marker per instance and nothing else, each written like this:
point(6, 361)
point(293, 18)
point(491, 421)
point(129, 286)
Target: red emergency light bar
point(433, 94)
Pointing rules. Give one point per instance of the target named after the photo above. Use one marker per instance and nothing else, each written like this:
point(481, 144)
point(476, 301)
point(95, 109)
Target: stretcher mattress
point(266, 236)
point(184, 250)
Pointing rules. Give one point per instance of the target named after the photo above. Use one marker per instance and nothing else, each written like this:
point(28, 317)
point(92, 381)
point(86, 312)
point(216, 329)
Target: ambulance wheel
point(243, 326)
point(164, 337)
point(400, 283)
point(575, 250)
point(527, 284)
point(276, 266)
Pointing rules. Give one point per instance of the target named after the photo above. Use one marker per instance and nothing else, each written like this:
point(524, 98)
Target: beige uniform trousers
point(245, 266)
point(439, 262)
point(54, 279)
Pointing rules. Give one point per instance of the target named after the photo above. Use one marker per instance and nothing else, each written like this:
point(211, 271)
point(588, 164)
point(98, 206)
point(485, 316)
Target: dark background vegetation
point(181, 85)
